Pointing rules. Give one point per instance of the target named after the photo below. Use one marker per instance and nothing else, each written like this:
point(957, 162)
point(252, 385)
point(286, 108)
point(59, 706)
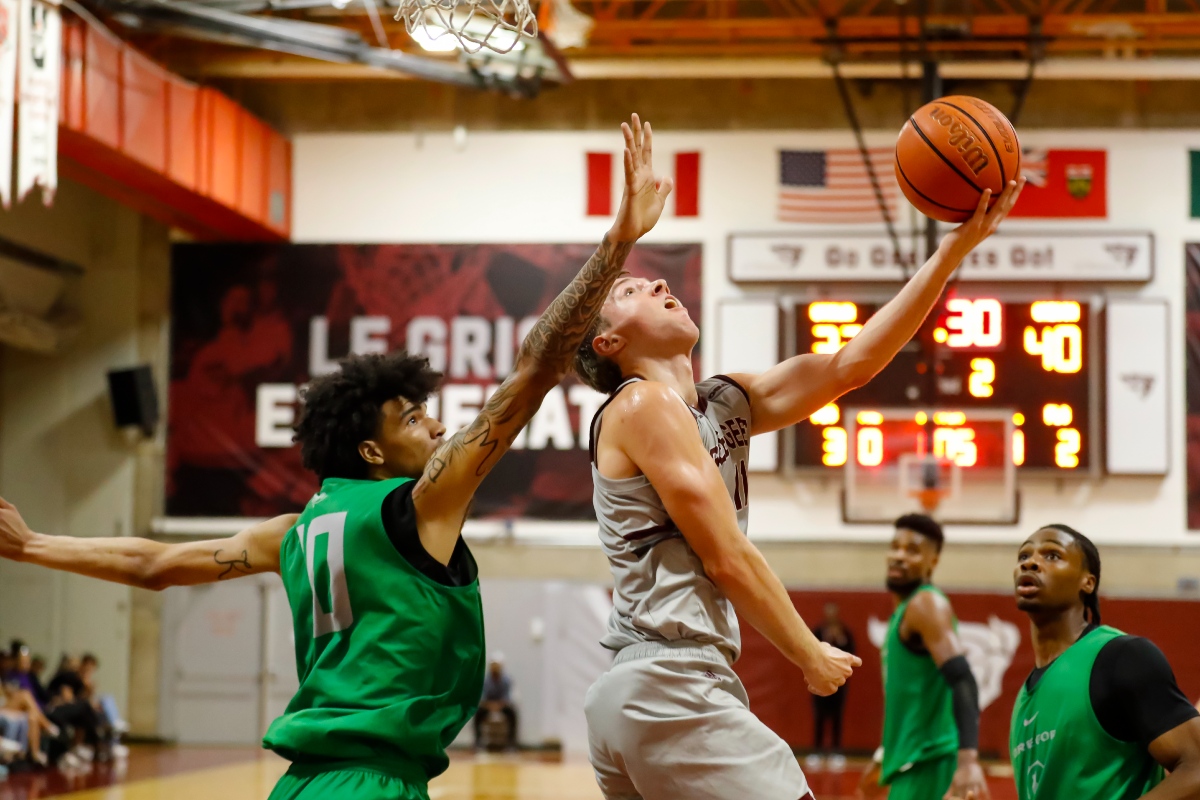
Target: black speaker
point(134, 400)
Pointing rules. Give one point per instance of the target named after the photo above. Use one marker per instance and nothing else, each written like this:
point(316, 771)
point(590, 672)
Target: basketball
point(952, 150)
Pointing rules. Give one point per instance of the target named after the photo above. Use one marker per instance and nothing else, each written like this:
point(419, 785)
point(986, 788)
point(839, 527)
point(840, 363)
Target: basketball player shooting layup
point(383, 590)
point(671, 719)
point(1100, 717)
point(931, 701)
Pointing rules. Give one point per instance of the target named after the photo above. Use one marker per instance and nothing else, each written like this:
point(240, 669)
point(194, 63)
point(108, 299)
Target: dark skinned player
point(931, 700)
point(1100, 717)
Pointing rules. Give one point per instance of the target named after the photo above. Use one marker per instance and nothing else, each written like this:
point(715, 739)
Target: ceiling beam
point(1068, 69)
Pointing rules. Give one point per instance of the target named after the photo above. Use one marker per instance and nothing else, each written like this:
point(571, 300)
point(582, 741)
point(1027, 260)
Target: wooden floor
point(248, 774)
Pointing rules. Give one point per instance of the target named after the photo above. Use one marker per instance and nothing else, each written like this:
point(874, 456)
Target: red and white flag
point(1063, 184)
point(604, 184)
point(37, 116)
point(831, 186)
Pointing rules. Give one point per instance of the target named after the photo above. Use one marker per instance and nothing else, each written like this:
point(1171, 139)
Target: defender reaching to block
point(383, 590)
point(671, 719)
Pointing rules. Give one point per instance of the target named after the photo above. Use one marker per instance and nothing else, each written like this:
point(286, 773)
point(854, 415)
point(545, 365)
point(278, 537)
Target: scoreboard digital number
point(1034, 358)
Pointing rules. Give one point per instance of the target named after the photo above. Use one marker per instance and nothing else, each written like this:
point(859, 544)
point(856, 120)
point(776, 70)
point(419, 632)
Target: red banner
point(1064, 183)
point(995, 635)
point(252, 323)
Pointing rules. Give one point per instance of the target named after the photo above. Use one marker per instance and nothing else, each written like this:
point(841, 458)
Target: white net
point(497, 25)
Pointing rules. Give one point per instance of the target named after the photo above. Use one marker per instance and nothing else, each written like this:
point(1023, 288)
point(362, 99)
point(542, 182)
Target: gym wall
point(530, 187)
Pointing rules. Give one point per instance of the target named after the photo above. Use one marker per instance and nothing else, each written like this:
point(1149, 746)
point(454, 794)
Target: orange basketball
point(950, 151)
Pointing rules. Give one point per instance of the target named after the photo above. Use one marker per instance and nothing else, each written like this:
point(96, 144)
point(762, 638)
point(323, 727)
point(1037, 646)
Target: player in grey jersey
point(670, 719)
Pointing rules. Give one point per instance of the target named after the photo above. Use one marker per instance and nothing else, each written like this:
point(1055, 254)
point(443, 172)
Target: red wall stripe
point(599, 184)
point(687, 184)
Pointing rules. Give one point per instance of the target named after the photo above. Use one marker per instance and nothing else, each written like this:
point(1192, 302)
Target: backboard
point(957, 466)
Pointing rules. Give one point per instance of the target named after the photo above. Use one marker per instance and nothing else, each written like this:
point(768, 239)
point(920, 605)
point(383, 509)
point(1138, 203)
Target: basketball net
point(496, 25)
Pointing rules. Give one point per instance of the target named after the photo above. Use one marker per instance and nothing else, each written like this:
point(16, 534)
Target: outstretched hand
point(14, 533)
point(983, 223)
point(645, 193)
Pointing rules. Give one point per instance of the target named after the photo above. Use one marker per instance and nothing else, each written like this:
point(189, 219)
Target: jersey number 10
point(327, 572)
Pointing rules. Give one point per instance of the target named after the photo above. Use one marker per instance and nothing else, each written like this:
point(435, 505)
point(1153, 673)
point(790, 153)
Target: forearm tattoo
point(550, 345)
point(559, 332)
point(234, 567)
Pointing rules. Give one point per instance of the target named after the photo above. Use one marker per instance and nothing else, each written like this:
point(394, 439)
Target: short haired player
point(383, 590)
point(671, 719)
point(931, 700)
point(1100, 717)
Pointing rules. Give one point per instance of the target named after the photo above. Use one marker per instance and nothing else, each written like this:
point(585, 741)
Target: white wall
point(530, 187)
point(61, 461)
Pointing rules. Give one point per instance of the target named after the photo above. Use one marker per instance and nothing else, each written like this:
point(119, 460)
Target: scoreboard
point(1034, 359)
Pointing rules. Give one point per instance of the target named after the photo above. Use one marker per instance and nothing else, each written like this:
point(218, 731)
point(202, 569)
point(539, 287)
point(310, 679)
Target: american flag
point(833, 185)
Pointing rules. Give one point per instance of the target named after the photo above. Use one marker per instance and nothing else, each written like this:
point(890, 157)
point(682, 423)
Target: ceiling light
point(445, 42)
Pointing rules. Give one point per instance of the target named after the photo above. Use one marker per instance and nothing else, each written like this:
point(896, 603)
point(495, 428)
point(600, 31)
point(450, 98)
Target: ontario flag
point(1063, 183)
point(604, 183)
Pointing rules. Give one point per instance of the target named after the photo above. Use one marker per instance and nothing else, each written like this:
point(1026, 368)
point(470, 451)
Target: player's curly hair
point(924, 525)
point(598, 372)
point(343, 408)
point(1091, 562)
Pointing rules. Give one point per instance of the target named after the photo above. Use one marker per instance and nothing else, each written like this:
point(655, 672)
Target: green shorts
point(348, 782)
point(927, 780)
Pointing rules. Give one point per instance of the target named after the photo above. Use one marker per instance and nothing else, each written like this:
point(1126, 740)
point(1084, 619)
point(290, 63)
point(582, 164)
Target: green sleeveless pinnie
point(920, 737)
point(1060, 750)
point(390, 662)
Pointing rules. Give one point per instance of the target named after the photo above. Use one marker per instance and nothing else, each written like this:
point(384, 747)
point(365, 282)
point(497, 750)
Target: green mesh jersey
point(390, 662)
point(1059, 748)
point(918, 709)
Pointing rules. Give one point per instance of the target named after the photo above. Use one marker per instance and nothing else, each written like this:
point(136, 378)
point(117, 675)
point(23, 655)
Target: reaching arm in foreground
point(794, 390)
point(929, 615)
point(455, 471)
point(651, 425)
point(144, 563)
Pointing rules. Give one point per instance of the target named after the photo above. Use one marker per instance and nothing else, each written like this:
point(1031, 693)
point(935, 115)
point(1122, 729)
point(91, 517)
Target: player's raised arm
point(144, 563)
point(797, 388)
point(654, 429)
point(455, 471)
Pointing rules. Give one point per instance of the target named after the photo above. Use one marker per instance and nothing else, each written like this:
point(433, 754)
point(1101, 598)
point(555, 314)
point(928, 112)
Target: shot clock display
point(1031, 357)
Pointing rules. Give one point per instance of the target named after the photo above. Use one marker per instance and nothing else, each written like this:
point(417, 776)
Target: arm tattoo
point(235, 567)
point(500, 409)
point(554, 339)
point(549, 347)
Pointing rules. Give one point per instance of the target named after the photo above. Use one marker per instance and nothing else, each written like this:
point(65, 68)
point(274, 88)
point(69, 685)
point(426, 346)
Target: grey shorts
point(671, 721)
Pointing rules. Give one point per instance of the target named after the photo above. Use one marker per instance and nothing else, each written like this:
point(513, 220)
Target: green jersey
point(1059, 749)
point(918, 710)
point(390, 662)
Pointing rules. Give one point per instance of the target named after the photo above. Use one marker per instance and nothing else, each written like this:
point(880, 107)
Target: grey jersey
point(660, 590)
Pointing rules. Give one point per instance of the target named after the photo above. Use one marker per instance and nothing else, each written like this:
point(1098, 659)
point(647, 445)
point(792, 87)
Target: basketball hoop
point(496, 25)
point(929, 499)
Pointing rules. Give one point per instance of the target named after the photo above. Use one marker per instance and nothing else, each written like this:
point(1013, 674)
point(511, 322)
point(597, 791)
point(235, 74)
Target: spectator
point(37, 666)
point(497, 697)
point(105, 705)
point(828, 711)
point(20, 672)
point(22, 723)
point(70, 707)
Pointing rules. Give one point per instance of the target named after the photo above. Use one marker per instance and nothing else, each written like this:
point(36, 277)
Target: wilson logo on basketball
point(961, 139)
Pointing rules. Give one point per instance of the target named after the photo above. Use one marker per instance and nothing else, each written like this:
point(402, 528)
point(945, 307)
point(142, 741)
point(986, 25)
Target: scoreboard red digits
point(1031, 356)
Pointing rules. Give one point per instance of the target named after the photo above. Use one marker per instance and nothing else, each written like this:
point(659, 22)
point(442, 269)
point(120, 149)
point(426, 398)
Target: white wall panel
point(530, 187)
